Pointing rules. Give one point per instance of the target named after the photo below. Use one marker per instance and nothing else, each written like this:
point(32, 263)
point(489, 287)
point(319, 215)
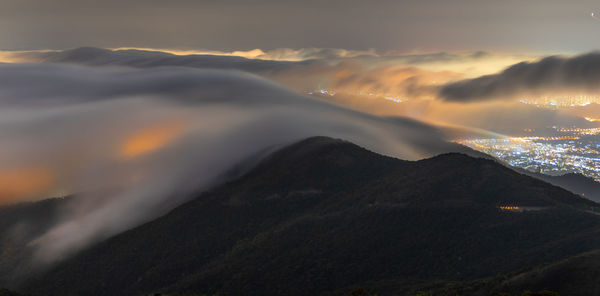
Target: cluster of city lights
point(576, 150)
point(561, 102)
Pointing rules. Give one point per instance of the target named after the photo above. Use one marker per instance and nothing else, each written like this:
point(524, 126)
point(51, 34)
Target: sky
point(384, 25)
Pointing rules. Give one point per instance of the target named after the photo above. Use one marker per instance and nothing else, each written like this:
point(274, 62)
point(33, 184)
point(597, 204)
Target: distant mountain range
point(327, 217)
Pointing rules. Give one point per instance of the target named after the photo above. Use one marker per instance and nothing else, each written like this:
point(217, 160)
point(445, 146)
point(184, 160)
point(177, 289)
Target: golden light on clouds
point(25, 182)
point(23, 56)
point(278, 54)
point(407, 82)
point(12, 57)
point(471, 68)
point(150, 139)
point(249, 54)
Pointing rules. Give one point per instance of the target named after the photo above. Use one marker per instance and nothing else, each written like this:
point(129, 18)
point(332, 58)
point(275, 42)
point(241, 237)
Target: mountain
point(576, 183)
point(573, 182)
point(325, 216)
point(5, 292)
point(19, 225)
point(575, 276)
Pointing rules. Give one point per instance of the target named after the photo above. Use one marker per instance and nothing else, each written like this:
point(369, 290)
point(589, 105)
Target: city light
point(574, 150)
point(561, 101)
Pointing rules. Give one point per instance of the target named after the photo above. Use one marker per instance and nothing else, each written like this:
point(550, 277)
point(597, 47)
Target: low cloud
point(132, 143)
point(416, 79)
point(411, 76)
point(340, 70)
point(550, 75)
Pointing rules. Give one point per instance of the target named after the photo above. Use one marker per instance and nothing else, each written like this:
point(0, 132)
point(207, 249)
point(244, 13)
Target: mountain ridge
point(323, 215)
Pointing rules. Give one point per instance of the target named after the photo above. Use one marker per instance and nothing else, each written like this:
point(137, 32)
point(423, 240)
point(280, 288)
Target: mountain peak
point(324, 214)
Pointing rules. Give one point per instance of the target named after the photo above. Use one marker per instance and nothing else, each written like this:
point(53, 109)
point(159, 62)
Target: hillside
point(576, 276)
point(575, 183)
point(19, 225)
point(326, 216)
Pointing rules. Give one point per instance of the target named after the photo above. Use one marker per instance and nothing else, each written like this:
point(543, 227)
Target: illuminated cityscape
point(572, 150)
point(561, 102)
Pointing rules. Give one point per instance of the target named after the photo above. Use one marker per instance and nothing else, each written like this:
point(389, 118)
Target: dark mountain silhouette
point(576, 183)
point(326, 216)
point(576, 276)
point(19, 225)
point(5, 292)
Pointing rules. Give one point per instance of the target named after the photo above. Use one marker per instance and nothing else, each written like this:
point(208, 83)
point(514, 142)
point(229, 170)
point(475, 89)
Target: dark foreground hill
point(326, 216)
point(19, 225)
point(576, 276)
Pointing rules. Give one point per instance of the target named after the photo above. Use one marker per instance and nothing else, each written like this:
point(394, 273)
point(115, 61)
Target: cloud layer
point(393, 74)
point(360, 82)
point(131, 143)
point(550, 75)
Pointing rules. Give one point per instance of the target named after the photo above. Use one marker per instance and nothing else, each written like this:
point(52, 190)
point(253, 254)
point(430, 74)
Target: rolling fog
point(132, 143)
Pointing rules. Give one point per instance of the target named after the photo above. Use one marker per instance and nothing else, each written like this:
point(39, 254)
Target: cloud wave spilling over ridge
point(132, 143)
point(413, 78)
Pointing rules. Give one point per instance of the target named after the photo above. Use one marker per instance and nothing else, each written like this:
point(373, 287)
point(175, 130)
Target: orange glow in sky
point(249, 54)
point(149, 140)
point(24, 182)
